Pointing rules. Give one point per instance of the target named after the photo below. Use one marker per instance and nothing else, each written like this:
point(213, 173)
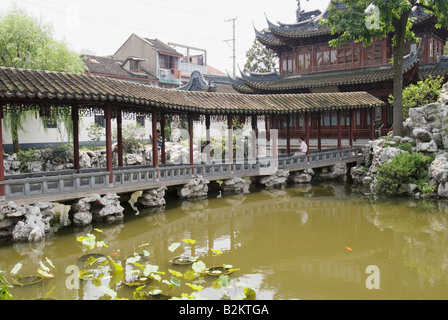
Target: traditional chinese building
point(307, 64)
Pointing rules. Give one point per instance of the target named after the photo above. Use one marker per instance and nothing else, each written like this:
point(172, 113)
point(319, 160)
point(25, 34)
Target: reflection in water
point(304, 242)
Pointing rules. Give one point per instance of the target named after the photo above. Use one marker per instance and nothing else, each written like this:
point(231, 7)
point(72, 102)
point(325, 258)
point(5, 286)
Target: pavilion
point(47, 92)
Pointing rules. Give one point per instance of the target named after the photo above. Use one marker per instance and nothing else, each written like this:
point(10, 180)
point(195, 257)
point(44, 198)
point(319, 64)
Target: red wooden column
point(274, 137)
point(2, 167)
point(372, 124)
point(319, 130)
point(254, 136)
point(306, 124)
point(75, 120)
point(190, 133)
point(352, 126)
point(339, 130)
point(108, 118)
point(230, 138)
point(162, 132)
point(155, 151)
point(288, 134)
point(120, 138)
point(208, 146)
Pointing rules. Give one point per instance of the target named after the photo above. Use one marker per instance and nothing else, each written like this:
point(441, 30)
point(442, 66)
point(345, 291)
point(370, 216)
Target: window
point(167, 62)
point(303, 61)
point(300, 61)
point(349, 55)
point(378, 52)
point(100, 120)
point(341, 56)
point(50, 123)
point(370, 54)
point(319, 59)
point(326, 55)
point(134, 65)
point(334, 56)
point(307, 60)
point(140, 120)
point(290, 64)
point(356, 54)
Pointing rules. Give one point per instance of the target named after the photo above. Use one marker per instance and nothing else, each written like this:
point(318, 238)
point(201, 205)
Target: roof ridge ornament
point(299, 10)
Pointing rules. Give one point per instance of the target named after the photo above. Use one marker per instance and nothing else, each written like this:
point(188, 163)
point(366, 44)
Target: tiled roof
point(163, 47)
point(108, 66)
point(438, 69)
point(272, 82)
point(23, 86)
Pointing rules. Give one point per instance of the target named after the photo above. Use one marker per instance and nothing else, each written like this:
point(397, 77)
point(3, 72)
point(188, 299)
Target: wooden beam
point(155, 152)
point(120, 137)
point(230, 137)
point(108, 118)
point(162, 132)
point(75, 120)
point(339, 112)
point(190, 133)
point(319, 130)
point(208, 145)
point(306, 125)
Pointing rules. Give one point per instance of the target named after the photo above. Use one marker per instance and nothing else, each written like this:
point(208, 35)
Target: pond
point(309, 242)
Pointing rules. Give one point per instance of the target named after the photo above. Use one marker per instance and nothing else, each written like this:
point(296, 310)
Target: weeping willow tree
point(27, 42)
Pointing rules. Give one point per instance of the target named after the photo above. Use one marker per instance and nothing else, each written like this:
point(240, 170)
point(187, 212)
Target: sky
point(100, 27)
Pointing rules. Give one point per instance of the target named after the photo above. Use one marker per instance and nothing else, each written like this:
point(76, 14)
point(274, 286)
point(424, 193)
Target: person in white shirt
point(303, 149)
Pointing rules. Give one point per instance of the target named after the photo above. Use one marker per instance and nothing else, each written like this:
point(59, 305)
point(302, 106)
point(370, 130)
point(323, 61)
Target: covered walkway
point(49, 92)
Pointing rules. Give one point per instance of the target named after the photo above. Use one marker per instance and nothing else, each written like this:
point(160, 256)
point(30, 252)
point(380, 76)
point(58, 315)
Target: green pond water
point(310, 242)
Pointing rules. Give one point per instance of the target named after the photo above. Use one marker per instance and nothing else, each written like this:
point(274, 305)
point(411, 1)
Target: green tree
point(419, 94)
point(389, 17)
point(28, 42)
point(260, 59)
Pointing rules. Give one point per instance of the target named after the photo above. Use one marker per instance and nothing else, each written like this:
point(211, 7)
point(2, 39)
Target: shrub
point(405, 168)
point(95, 132)
point(131, 135)
point(27, 156)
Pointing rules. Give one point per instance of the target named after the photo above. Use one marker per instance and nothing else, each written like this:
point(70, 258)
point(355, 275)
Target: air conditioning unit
point(163, 72)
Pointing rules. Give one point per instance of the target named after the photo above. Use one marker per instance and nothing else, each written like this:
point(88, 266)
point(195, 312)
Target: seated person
point(303, 149)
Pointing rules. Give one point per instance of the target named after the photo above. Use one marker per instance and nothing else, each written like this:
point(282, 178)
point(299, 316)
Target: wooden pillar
point(2, 167)
point(274, 141)
point(155, 151)
point(208, 146)
point(190, 133)
point(339, 112)
point(75, 120)
point(306, 124)
point(230, 137)
point(352, 125)
point(162, 131)
point(254, 136)
point(120, 138)
point(288, 134)
point(372, 123)
point(108, 118)
point(319, 130)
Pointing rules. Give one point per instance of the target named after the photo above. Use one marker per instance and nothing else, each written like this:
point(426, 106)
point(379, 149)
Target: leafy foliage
point(405, 168)
point(95, 132)
point(4, 288)
point(131, 133)
point(260, 59)
point(28, 42)
point(420, 94)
